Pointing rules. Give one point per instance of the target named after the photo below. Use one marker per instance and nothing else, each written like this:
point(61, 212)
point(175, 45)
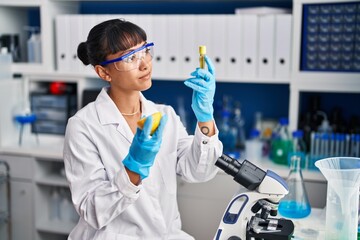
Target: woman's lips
point(145, 77)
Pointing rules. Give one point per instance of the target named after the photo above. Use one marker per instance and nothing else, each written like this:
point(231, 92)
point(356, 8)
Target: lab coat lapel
point(147, 107)
point(108, 113)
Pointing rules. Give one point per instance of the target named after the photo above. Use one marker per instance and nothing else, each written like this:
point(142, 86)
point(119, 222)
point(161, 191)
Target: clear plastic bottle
point(298, 148)
point(5, 64)
point(296, 203)
point(54, 210)
point(254, 146)
point(281, 143)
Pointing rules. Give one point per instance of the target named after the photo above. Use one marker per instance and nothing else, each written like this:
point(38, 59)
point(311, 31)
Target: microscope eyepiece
point(245, 173)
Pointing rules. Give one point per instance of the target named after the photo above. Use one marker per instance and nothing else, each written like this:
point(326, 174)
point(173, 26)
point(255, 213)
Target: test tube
point(347, 145)
point(202, 52)
point(357, 145)
point(332, 145)
point(342, 144)
point(312, 145)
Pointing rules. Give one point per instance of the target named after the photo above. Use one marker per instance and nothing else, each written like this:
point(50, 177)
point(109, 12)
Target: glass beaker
point(296, 203)
point(342, 202)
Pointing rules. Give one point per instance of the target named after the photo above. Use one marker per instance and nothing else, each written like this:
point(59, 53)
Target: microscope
point(247, 215)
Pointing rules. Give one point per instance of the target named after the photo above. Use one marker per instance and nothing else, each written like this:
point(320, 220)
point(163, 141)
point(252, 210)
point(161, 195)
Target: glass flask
point(296, 203)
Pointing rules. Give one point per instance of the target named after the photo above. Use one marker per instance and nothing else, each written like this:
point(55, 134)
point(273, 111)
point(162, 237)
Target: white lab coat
point(111, 207)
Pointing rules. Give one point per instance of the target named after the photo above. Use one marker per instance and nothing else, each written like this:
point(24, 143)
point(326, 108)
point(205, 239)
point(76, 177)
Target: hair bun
point(82, 53)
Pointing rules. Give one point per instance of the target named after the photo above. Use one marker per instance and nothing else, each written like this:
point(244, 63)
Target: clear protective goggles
point(132, 60)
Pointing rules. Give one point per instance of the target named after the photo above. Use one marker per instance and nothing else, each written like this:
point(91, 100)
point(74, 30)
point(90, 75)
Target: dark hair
point(109, 37)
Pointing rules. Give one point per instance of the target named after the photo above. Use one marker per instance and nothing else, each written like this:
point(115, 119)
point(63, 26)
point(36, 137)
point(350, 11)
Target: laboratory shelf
point(52, 180)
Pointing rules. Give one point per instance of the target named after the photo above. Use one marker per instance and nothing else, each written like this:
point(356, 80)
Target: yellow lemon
point(156, 120)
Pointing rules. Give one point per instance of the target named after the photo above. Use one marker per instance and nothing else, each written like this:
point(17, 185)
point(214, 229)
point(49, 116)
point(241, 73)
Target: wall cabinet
point(21, 196)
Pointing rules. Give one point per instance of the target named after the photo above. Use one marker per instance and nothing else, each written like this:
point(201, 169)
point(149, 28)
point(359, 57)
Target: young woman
point(122, 179)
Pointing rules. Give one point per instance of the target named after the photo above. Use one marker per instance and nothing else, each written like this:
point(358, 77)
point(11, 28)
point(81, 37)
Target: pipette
point(202, 52)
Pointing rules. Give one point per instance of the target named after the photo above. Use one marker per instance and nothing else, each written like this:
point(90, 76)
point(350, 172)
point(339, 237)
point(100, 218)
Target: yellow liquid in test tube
point(202, 52)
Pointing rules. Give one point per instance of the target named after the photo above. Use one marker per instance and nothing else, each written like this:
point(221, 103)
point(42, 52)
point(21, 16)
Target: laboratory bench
point(35, 170)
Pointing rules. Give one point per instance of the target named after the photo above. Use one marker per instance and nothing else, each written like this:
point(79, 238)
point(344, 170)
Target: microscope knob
point(256, 207)
point(234, 238)
point(273, 212)
point(264, 213)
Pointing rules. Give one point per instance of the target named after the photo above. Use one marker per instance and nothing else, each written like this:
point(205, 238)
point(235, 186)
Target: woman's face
point(133, 73)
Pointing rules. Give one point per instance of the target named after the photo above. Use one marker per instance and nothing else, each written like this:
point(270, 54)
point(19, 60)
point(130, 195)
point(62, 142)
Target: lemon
point(156, 121)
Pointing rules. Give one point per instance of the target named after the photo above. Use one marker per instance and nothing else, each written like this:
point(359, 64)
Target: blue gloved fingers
point(147, 128)
point(210, 65)
point(197, 85)
point(159, 131)
point(204, 74)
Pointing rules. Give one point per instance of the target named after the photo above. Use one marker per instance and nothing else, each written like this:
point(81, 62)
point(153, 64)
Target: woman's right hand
point(144, 148)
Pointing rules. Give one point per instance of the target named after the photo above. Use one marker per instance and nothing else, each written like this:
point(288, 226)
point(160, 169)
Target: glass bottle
point(298, 148)
point(227, 135)
point(281, 143)
point(238, 123)
point(296, 203)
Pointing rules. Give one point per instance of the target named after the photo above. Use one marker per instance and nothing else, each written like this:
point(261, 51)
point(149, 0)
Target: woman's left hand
point(203, 84)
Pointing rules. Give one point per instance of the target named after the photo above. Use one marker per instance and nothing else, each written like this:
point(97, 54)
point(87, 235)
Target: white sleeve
point(197, 156)
point(96, 198)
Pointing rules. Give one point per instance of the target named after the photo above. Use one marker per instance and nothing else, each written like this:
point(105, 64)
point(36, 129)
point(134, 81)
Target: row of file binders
point(247, 46)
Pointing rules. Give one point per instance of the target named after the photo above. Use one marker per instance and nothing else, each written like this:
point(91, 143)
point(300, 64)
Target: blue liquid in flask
point(293, 209)
point(295, 204)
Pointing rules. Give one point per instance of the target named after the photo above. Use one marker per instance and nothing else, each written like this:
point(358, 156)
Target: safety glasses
point(132, 59)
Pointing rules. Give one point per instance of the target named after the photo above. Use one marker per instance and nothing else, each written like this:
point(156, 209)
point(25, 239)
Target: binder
point(266, 46)
point(145, 21)
point(218, 45)
point(234, 51)
point(283, 43)
point(173, 39)
point(88, 22)
point(62, 43)
point(159, 62)
point(75, 26)
point(189, 54)
point(250, 45)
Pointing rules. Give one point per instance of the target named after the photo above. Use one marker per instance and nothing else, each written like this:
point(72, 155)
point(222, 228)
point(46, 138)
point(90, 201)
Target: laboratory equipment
point(11, 42)
point(202, 52)
point(298, 148)
point(4, 201)
point(5, 64)
point(34, 45)
point(296, 203)
point(238, 123)
point(227, 134)
point(247, 215)
point(254, 146)
point(25, 118)
point(281, 142)
point(54, 206)
point(342, 202)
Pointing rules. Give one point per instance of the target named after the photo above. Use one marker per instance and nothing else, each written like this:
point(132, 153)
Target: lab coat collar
point(108, 113)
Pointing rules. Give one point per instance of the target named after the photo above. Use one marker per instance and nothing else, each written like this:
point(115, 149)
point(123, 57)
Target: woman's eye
point(147, 51)
point(130, 59)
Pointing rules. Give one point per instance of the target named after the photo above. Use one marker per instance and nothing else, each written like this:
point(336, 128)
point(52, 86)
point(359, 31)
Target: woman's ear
point(102, 73)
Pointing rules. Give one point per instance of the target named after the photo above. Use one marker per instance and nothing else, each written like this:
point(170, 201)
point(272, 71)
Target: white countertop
point(311, 227)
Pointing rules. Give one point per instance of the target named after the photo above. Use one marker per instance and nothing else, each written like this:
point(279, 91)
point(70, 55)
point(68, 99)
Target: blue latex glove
point(203, 84)
point(144, 148)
